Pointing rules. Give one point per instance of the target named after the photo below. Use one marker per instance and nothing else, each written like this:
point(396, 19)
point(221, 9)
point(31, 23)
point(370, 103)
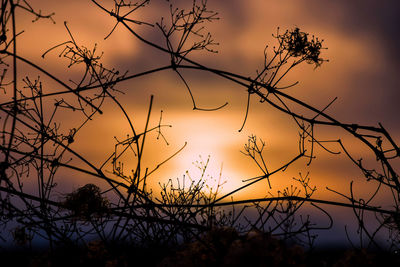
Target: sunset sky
point(363, 71)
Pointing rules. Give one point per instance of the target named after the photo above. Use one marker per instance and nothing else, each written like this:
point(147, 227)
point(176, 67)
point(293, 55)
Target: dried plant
point(35, 145)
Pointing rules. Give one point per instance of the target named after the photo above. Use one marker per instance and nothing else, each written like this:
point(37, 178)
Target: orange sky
point(362, 72)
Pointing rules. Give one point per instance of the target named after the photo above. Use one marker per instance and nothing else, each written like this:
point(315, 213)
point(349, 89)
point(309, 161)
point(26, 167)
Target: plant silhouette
point(35, 146)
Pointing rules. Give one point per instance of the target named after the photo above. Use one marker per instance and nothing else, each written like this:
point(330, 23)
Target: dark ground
point(217, 247)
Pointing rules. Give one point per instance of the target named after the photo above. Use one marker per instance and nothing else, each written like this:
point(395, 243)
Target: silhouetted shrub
point(86, 202)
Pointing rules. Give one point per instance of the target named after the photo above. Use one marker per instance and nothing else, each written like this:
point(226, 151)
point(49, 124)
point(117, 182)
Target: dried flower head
point(298, 44)
point(87, 201)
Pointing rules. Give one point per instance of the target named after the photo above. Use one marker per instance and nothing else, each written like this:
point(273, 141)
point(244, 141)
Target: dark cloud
point(377, 19)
